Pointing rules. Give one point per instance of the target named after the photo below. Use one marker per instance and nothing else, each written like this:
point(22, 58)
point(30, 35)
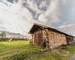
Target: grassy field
point(16, 50)
point(22, 50)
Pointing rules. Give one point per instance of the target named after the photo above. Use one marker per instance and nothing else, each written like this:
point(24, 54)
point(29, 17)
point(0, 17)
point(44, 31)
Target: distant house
point(47, 37)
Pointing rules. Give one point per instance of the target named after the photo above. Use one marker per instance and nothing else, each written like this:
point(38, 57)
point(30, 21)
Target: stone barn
point(47, 37)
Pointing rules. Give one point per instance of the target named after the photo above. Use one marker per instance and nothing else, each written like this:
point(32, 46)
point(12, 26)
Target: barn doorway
point(45, 39)
point(45, 43)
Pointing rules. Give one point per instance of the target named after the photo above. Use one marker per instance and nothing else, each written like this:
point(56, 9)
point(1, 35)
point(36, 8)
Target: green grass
point(53, 55)
point(16, 50)
point(71, 48)
point(22, 50)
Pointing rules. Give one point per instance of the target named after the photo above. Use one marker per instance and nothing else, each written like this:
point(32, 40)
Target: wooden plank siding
point(49, 38)
point(55, 39)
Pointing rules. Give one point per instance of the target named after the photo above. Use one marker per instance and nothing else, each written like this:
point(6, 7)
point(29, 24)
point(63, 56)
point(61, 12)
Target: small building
point(47, 37)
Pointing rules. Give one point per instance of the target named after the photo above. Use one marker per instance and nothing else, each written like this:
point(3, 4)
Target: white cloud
point(70, 29)
point(16, 18)
point(53, 13)
point(63, 26)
